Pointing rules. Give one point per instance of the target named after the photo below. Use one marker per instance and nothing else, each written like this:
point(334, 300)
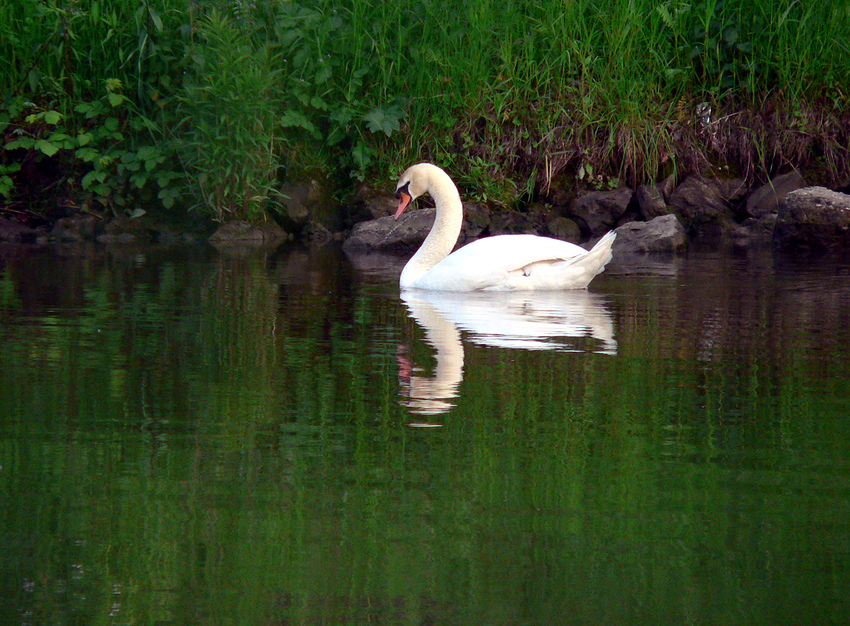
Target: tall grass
point(510, 95)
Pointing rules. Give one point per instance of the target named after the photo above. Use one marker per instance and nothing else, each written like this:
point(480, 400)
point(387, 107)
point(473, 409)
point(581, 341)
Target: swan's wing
point(501, 262)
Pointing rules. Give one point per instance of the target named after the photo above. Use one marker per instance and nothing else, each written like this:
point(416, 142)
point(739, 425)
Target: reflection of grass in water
point(9, 299)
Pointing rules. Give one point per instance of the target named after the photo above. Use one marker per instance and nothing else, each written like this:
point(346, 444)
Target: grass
point(511, 96)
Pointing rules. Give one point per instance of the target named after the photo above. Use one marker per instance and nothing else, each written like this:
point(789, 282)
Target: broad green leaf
point(147, 153)
point(164, 179)
point(24, 143)
point(87, 154)
point(6, 186)
point(168, 196)
point(34, 79)
point(46, 147)
point(297, 119)
point(385, 120)
point(61, 140)
point(89, 179)
point(52, 117)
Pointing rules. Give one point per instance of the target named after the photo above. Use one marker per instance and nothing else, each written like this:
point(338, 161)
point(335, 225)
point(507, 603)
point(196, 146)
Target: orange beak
point(402, 203)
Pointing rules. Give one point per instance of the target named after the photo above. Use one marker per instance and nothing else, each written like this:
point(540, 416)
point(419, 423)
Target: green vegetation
point(109, 104)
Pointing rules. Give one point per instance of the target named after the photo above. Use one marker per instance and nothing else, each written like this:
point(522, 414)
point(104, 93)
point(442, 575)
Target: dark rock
point(476, 219)
point(315, 233)
point(813, 219)
point(564, 228)
point(510, 223)
point(387, 233)
point(371, 204)
point(78, 228)
point(732, 190)
point(651, 203)
point(406, 233)
point(308, 201)
point(15, 232)
point(168, 235)
point(765, 200)
point(662, 234)
point(703, 211)
point(125, 230)
point(753, 230)
point(600, 210)
point(243, 233)
point(667, 187)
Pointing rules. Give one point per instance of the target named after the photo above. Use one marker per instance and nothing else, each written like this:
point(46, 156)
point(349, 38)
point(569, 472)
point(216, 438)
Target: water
point(195, 437)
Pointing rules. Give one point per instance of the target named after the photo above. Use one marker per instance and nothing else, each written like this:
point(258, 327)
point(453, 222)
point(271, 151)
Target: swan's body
point(501, 263)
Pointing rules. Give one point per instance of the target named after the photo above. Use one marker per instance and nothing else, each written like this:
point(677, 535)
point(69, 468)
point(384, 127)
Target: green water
point(188, 437)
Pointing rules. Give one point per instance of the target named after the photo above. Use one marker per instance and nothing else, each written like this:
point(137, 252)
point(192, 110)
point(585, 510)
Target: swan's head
point(415, 181)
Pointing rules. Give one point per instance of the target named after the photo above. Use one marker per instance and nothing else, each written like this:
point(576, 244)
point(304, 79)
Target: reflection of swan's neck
point(430, 395)
point(445, 231)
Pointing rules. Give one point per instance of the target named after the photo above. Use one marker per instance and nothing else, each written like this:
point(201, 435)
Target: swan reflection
point(557, 320)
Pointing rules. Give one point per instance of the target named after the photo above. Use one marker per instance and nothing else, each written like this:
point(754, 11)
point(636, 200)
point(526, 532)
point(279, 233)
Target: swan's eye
point(402, 190)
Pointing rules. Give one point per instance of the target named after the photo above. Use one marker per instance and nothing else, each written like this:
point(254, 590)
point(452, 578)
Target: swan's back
point(518, 262)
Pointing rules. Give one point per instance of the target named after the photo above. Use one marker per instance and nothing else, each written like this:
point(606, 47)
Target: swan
point(500, 263)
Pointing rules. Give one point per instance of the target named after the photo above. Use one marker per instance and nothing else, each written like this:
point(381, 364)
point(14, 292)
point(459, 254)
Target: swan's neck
point(444, 233)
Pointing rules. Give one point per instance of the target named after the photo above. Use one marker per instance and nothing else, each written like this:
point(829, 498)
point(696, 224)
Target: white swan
point(501, 263)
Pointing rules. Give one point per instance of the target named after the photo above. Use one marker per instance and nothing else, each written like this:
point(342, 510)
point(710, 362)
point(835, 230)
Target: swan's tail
point(595, 260)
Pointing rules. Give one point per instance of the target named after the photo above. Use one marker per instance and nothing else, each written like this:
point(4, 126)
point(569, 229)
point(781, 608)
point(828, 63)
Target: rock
point(753, 230)
point(387, 233)
point(476, 219)
point(78, 228)
point(127, 230)
point(600, 210)
point(243, 232)
point(651, 203)
point(15, 232)
point(510, 223)
point(406, 233)
point(703, 211)
point(813, 219)
point(315, 233)
point(308, 200)
point(765, 200)
point(564, 228)
point(371, 204)
point(732, 190)
point(667, 186)
point(662, 234)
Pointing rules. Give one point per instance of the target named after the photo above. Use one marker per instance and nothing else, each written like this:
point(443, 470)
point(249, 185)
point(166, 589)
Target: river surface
point(190, 436)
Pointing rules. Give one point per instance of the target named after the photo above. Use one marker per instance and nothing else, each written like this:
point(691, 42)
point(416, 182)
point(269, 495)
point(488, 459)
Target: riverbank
point(221, 112)
point(785, 214)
